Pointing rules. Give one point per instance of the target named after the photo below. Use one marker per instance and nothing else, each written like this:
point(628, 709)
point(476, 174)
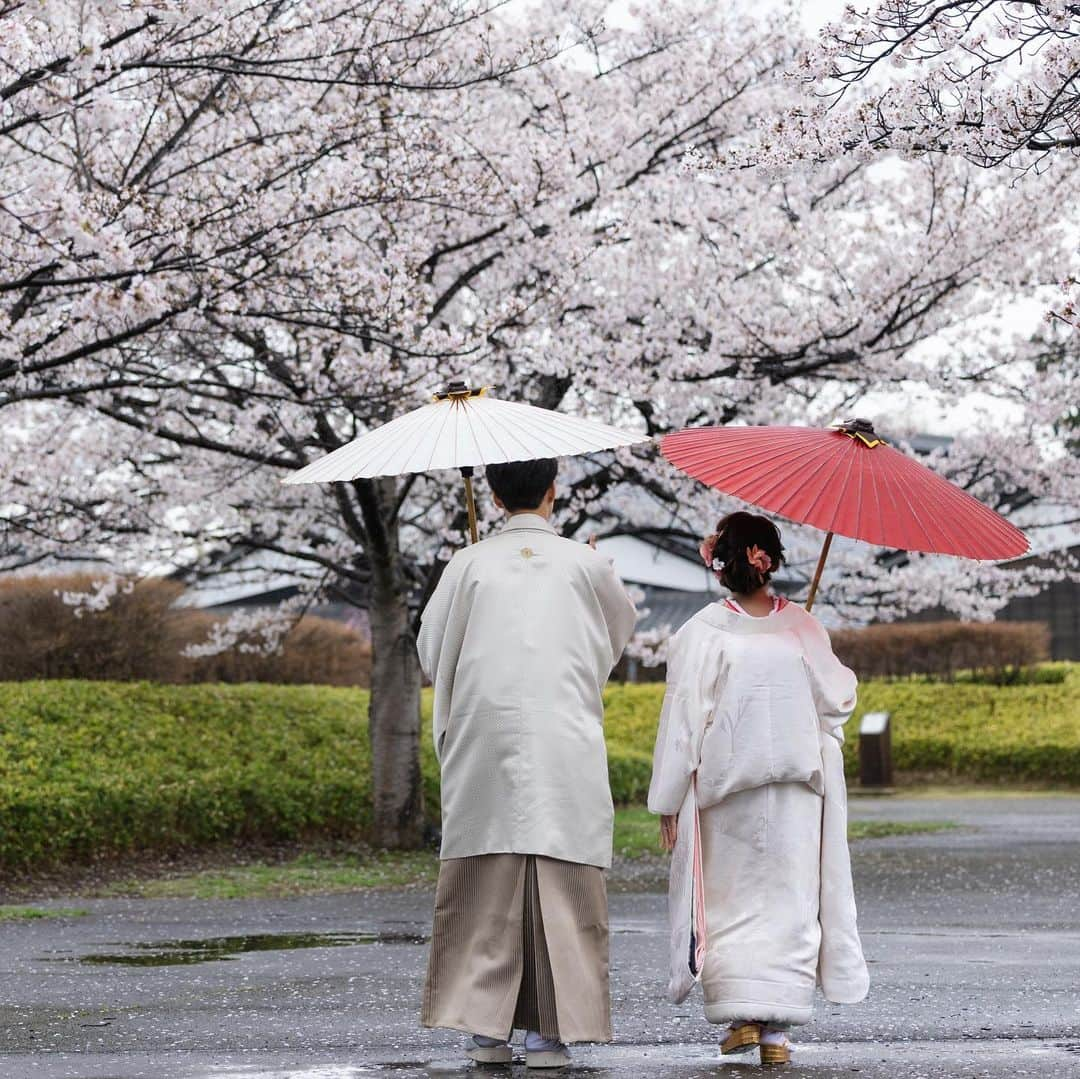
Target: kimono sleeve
point(620, 614)
point(438, 644)
point(834, 685)
point(842, 972)
point(433, 621)
point(689, 701)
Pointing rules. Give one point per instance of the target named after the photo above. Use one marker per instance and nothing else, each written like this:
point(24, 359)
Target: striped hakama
point(519, 942)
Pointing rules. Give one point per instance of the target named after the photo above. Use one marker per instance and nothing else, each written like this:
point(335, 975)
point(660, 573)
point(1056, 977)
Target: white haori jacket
point(518, 640)
point(752, 701)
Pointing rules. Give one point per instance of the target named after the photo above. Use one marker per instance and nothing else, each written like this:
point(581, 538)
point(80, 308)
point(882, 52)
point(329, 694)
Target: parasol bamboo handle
point(817, 572)
point(470, 502)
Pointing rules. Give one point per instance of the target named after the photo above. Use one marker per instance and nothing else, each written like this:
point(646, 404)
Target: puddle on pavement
point(417, 1067)
point(431, 1068)
point(361, 1071)
point(165, 953)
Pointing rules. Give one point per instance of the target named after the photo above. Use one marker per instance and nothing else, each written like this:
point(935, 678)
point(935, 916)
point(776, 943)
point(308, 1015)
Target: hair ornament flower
point(707, 550)
point(759, 559)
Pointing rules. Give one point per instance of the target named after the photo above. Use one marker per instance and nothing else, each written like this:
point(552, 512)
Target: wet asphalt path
point(973, 937)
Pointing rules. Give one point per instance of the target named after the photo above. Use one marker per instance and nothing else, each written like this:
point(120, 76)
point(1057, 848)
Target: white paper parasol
point(463, 429)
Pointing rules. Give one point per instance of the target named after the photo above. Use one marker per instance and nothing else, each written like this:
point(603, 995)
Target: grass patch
point(27, 914)
point(306, 875)
point(881, 829)
point(937, 791)
point(636, 837)
point(637, 833)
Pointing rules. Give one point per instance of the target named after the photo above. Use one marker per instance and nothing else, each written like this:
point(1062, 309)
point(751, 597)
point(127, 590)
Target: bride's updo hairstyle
point(744, 551)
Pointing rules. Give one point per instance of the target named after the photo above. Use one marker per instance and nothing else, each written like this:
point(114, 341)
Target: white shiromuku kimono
point(518, 641)
point(755, 707)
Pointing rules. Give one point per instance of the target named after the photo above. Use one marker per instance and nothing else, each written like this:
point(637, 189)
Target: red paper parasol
point(844, 480)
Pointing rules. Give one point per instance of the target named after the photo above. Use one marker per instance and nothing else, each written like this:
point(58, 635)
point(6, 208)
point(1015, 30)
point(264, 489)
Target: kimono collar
point(716, 614)
point(531, 521)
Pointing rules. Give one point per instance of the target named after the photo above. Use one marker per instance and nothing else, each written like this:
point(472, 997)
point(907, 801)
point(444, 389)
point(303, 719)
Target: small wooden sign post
point(875, 750)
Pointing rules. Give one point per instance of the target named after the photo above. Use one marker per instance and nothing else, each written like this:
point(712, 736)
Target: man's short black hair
point(521, 485)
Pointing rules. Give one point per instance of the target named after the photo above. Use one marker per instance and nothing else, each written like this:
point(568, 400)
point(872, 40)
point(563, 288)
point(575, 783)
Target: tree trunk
point(394, 715)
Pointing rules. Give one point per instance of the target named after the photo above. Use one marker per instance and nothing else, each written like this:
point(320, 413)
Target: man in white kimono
point(518, 640)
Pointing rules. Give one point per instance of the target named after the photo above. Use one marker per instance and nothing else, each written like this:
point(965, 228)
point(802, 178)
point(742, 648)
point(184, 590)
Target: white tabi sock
point(534, 1043)
point(487, 1043)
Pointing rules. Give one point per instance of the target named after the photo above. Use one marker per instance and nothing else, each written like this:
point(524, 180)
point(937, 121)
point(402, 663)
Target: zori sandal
point(541, 1052)
point(741, 1039)
point(775, 1048)
point(488, 1050)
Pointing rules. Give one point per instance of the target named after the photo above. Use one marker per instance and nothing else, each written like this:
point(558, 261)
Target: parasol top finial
point(860, 430)
point(458, 390)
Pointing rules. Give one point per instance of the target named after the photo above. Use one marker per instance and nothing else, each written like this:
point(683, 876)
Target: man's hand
point(591, 541)
point(669, 832)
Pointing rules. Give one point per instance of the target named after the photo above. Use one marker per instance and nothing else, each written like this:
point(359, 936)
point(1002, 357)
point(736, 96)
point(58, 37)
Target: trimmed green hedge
point(92, 769)
point(978, 732)
point(98, 768)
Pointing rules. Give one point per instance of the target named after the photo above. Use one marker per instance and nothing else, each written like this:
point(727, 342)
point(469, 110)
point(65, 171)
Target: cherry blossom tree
point(232, 234)
point(240, 234)
point(992, 80)
point(996, 82)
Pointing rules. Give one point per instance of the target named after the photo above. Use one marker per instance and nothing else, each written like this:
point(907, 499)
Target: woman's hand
point(669, 832)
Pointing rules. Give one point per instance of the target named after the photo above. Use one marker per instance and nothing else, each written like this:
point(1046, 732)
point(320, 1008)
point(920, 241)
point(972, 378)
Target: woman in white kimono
point(748, 778)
